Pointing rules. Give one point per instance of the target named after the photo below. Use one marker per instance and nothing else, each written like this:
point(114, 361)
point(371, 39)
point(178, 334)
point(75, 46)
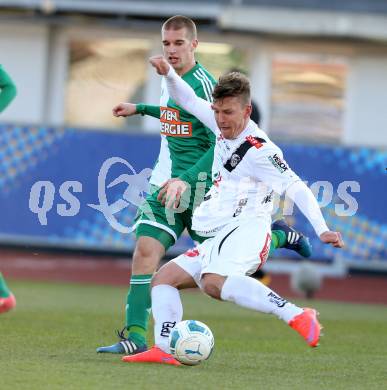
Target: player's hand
point(160, 64)
point(171, 192)
point(333, 238)
point(125, 109)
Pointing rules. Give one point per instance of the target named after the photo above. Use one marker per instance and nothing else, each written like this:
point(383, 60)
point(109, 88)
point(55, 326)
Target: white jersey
point(246, 171)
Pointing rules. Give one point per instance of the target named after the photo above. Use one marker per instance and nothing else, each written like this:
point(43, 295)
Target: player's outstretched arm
point(130, 109)
point(270, 167)
point(303, 197)
point(184, 95)
point(333, 238)
point(160, 64)
point(125, 109)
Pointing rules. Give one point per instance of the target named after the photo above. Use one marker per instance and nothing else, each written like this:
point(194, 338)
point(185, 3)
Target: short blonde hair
point(178, 22)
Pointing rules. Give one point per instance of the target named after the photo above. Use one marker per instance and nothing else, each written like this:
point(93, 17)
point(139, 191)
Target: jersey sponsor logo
point(256, 142)
point(278, 163)
point(171, 125)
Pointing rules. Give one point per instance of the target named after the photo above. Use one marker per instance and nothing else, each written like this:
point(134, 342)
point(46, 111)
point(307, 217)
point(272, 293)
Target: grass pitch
point(49, 342)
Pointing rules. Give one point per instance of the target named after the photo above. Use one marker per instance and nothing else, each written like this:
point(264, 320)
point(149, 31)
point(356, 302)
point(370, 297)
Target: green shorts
point(165, 225)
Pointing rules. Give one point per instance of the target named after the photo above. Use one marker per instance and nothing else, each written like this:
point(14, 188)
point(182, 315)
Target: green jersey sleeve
point(204, 164)
point(147, 109)
point(7, 89)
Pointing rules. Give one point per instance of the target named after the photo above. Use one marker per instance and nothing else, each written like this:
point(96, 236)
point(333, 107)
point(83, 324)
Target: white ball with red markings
point(191, 342)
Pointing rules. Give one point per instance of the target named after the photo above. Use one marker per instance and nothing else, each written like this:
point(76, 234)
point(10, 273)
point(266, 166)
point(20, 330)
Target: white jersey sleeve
point(269, 167)
point(303, 197)
point(185, 97)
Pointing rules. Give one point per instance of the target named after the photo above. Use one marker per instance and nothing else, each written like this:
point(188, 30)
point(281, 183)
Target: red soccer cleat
point(153, 355)
point(6, 304)
point(307, 325)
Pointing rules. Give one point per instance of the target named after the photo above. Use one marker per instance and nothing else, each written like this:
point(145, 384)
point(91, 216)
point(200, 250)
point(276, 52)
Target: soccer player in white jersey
point(247, 168)
point(186, 152)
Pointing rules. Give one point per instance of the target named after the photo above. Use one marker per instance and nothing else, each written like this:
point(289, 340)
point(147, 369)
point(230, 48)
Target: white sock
point(167, 312)
point(252, 294)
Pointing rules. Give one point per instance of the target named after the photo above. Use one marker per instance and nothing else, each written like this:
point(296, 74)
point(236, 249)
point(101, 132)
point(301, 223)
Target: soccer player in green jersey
point(7, 94)
point(186, 154)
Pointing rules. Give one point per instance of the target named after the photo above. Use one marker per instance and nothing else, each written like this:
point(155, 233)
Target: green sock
point(137, 334)
point(138, 307)
point(4, 290)
point(278, 240)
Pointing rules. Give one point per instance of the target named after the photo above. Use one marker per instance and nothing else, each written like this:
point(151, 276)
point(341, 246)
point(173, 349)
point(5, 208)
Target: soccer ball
point(191, 342)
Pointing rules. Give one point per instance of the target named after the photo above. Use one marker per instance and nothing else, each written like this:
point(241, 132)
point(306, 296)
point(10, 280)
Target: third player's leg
point(147, 255)
point(167, 309)
point(152, 243)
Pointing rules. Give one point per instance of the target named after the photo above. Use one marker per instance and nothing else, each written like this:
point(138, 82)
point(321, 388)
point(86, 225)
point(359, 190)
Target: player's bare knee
point(142, 253)
point(144, 262)
point(212, 285)
point(147, 255)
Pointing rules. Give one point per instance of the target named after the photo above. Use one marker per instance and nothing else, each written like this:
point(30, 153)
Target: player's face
point(179, 49)
point(231, 116)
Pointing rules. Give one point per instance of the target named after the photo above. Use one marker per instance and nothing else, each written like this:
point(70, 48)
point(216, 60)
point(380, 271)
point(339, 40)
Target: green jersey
point(187, 149)
point(7, 89)
point(186, 144)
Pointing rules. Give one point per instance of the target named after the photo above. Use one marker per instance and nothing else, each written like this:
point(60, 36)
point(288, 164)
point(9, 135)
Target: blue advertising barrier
point(49, 190)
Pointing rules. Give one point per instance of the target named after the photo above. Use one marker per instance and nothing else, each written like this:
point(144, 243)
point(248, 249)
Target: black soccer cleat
point(295, 241)
point(126, 346)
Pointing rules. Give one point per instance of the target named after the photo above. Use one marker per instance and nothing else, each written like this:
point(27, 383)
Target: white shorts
point(240, 248)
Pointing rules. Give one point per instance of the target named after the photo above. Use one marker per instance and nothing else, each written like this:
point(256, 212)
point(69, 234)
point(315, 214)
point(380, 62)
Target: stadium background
point(318, 72)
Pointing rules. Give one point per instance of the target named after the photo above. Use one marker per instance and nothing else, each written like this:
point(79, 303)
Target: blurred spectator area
point(318, 69)
point(107, 71)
